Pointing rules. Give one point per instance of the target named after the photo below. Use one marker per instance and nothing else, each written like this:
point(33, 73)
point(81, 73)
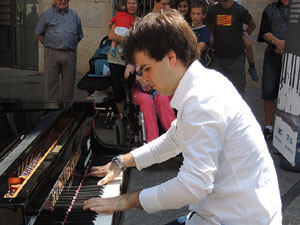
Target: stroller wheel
point(120, 135)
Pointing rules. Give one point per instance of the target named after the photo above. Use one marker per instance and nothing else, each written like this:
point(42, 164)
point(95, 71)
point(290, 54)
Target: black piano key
point(68, 207)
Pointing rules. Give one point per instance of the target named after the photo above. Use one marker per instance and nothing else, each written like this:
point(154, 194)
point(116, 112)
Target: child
point(198, 13)
point(123, 21)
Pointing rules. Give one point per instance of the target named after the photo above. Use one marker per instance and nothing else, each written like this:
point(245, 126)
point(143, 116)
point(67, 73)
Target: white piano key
point(112, 189)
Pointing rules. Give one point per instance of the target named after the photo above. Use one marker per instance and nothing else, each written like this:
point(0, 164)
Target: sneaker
point(113, 52)
point(268, 134)
point(253, 74)
point(119, 49)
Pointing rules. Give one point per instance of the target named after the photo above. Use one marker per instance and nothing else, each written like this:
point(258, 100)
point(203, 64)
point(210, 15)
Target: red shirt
point(122, 19)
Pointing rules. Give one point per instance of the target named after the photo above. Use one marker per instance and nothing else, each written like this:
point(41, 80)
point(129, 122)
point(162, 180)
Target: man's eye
point(147, 69)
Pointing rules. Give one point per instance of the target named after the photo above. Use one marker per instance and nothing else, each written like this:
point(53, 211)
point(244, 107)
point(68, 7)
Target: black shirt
point(228, 28)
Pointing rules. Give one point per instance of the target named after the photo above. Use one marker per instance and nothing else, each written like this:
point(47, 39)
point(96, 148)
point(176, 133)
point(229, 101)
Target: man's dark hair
point(199, 4)
point(159, 33)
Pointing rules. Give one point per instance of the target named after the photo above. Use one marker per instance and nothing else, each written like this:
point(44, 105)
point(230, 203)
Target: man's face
point(165, 5)
point(157, 74)
point(62, 4)
point(197, 16)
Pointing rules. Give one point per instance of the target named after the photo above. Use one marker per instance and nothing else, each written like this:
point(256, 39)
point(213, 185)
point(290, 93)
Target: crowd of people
point(226, 162)
point(222, 29)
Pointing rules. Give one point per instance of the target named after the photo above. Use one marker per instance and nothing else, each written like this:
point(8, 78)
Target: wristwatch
point(120, 164)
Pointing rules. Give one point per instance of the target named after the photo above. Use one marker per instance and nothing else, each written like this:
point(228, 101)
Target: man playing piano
point(227, 175)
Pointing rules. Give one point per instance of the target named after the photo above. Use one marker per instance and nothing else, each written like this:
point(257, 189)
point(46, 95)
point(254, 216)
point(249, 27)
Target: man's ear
point(172, 57)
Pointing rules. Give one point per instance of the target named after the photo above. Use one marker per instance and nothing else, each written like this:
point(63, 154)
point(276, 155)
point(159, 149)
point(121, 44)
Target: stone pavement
point(28, 85)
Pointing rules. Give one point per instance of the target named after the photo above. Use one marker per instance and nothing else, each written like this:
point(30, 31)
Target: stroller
point(98, 79)
point(130, 130)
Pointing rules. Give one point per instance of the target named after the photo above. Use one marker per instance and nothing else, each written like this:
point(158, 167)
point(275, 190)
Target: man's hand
point(109, 172)
point(110, 205)
point(157, 6)
point(111, 169)
point(279, 46)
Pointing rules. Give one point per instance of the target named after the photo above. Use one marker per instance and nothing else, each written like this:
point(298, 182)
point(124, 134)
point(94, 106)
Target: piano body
point(46, 150)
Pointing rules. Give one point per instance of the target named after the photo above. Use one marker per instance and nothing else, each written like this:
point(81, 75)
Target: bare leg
point(120, 107)
point(250, 58)
point(249, 49)
point(114, 44)
point(270, 107)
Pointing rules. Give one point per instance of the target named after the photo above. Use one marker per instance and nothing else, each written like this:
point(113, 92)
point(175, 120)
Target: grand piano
point(46, 151)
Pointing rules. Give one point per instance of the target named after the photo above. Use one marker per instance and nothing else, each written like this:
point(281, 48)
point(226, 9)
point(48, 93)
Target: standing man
point(272, 31)
point(225, 21)
point(227, 175)
point(59, 30)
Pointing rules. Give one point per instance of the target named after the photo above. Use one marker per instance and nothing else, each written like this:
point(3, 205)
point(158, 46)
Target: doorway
point(26, 45)
point(18, 46)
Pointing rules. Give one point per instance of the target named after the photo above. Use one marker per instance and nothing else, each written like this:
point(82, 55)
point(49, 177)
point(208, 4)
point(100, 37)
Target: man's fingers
point(99, 205)
point(95, 174)
point(105, 180)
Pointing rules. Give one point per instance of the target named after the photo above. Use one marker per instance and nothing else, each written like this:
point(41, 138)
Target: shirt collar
point(186, 83)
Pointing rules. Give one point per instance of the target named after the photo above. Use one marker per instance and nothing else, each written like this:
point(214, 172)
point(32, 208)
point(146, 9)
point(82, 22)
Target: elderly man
point(59, 30)
point(227, 175)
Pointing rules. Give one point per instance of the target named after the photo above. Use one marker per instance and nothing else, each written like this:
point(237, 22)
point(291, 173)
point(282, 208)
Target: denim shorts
point(271, 76)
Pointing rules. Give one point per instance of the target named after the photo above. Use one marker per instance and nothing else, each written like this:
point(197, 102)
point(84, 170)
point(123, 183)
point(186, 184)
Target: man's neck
point(285, 2)
point(226, 4)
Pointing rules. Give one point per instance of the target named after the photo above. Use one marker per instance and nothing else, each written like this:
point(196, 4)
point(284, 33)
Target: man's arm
point(112, 36)
point(39, 37)
point(270, 38)
point(109, 205)
point(202, 46)
point(251, 27)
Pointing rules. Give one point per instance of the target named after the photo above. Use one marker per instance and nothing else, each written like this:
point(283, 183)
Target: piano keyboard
point(68, 207)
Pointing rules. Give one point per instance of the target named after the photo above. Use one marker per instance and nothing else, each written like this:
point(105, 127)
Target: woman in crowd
point(183, 6)
point(116, 62)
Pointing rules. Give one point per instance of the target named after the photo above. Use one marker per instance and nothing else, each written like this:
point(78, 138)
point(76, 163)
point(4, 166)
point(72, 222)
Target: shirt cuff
point(149, 200)
point(141, 158)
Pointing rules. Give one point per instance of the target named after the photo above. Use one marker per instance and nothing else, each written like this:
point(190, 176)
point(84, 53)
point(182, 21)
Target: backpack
point(98, 63)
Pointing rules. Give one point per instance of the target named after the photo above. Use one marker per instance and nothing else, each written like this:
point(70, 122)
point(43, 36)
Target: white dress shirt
point(228, 176)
